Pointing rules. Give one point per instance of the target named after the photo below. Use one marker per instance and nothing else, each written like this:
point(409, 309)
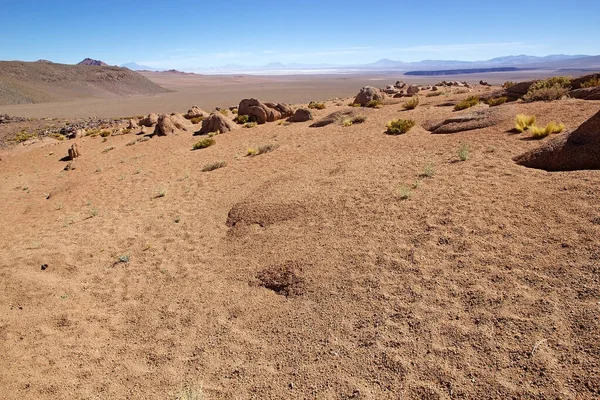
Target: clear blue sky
point(186, 34)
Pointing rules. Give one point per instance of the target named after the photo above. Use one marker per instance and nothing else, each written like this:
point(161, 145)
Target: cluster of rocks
point(5, 119)
point(454, 83)
point(78, 128)
point(260, 112)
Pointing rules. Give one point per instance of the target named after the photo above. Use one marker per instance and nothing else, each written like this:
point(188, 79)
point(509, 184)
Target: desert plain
point(345, 263)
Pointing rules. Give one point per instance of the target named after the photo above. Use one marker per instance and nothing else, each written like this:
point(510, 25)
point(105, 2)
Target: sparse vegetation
point(540, 133)
point(399, 126)
point(214, 165)
point(104, 134)
point(106, 150)
point(126, 131)
point(124, 258)
point(404, 193)
point(204, 143)
point(250, 124)
point(241, 119)
point(469, 102)
point(93, 212)
point(267, 148)
point(434, 94)
point(315, 105)
point(190, 393)
point(161, 192)
point(358, 119)
point(592, 82)
point(463, 152)
point(23, 136)
point(374, 104)
point(508, 84)
point(554, 88)
point(197, 120)
point(523, 122)
point(492, 102)
point(224, 111)
point(429, 171)
point(57, 136)
point(411, 104)
point(252, 152)
point(215, 133)
point(354, 105)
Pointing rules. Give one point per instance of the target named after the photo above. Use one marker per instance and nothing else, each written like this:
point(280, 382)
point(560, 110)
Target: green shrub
point(463, 152)
point(241, 119)
point(315, 105)
point(492, 102)
point(104, 133)
point(214, 165)
point(250, 124)
point(411, 104)
point(23, 136)
point(204, 143)
point(554, 88)
point(373, 104)
point(358, 119)
point(399, 126)
point(593, 82)
point(524, 122)
point(469, 102)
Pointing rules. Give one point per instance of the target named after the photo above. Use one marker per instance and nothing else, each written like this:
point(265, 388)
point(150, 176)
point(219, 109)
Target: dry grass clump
point(554, 88)
point(540, 133)
point(250, 124)
point(23, 136)
point(57, 136)
point(106, 150)
point(214, 165)
point(463, 152)
point(241, 119)
point(411, 104)
point(469, 102)
point(223, 111)
point(524, 122)
point(399, 126)
point(266, 148)
point(593, 82)
point(373, 104)
point(104, 133)
point(204, 143)
point(197, 120)
point(492, 102)
point(358, 119)
point(315, 105)
point(434, 94)
point(508, 84)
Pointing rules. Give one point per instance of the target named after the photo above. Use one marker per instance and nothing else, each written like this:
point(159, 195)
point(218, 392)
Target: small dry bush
point(508, 84)
point(411, 104)
point(223, 111)
point(434, 94)
point(469, 102)
point(241, 119)
point(359, 119)
point(204, 143)
point(540, 133)
point(23, 136)
point(593, 82)
point(492, 102)
point(374, 104)
point(104, 133)
point(214, 165)
point(315, 105)
point(197, 120)
point(399, 126)
point(554, 88)
point(524, 122)
point(57, 136)
point(250, 124)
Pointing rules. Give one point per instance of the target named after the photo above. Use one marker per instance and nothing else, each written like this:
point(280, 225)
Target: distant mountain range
point(522, 61)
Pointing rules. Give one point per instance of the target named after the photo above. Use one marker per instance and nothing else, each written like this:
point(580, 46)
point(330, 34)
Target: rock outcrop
point(195, 112)
point(258, 111)
point(73, 152)
point(217, 122)
point(577, 150)
point(164, 126)
point(367, 94)
point(412, 90)
point(472, 120)
point(150, 120)
point(334, 117)
point(301, 115)
point(284, 109)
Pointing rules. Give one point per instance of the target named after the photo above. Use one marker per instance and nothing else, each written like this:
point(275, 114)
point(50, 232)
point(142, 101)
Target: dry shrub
point(469, 102)
point(204, 143)
point(399, 126)
point(524, 122)
point(554, 88)
point(492, 102)
point(411, 104)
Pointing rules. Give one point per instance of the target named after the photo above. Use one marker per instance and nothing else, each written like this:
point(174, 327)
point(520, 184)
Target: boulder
point(367, 94)
point(75, 133)
point(301, 115)
point(434, 89)
point(517, 90)
point(412, 90)
point(150, 120)
point(258, 111)
point(471, 120)
point(284, 109)
point(399, 84)
point(333, 118)
point(195, 112)
point(592, 93)
point(133, 124)
point(181, 122)
point(164, 126)
point(484, 83)
point(217, 122)
point(573, 151)
point(391, 90)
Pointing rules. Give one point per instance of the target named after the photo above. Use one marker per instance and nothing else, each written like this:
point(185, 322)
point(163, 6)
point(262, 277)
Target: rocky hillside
point(38, 82)
point(89, 61)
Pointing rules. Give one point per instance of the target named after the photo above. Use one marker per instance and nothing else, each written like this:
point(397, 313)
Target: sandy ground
point(211, 91)
point(483, 284)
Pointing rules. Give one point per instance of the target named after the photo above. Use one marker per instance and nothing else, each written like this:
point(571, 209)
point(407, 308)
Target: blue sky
point(202, 34)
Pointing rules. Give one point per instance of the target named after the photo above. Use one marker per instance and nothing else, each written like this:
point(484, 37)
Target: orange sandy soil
point(483, 284)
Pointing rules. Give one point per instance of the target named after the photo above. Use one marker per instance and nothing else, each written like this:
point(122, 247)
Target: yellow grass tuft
point(524, 122)
point(411, 104)
point(399, 126)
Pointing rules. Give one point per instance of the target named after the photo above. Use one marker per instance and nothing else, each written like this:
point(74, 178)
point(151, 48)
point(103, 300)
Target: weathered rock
point(391, 90)
point(258, 111)
point(284, 109)
point(164, 126)
point(577, 82)
point(73, 152)
point(484, 83)
point(133, 124)
point(333, 118)
point(195, 112)
point(217, 122)
point(399, 84)
point(150, 120)
point(75, 134)
point(181, 122)
point(367, 94)
point(577, 150)
point(469, 121)
point(70, 166)
point(592, 93)
point(434, 89)
point(301, 115)
point(412, 90)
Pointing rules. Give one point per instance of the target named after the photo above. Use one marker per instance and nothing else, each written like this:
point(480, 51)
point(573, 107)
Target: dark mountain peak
point(89, 61)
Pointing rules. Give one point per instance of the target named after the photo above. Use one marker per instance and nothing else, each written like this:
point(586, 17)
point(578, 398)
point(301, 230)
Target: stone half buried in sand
point(301, 115)
point(469, 121)
point(333, 118)
point(217, 122)
point(258, 111)
point(196, 112)
point(573, 151)
point(368, 94)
